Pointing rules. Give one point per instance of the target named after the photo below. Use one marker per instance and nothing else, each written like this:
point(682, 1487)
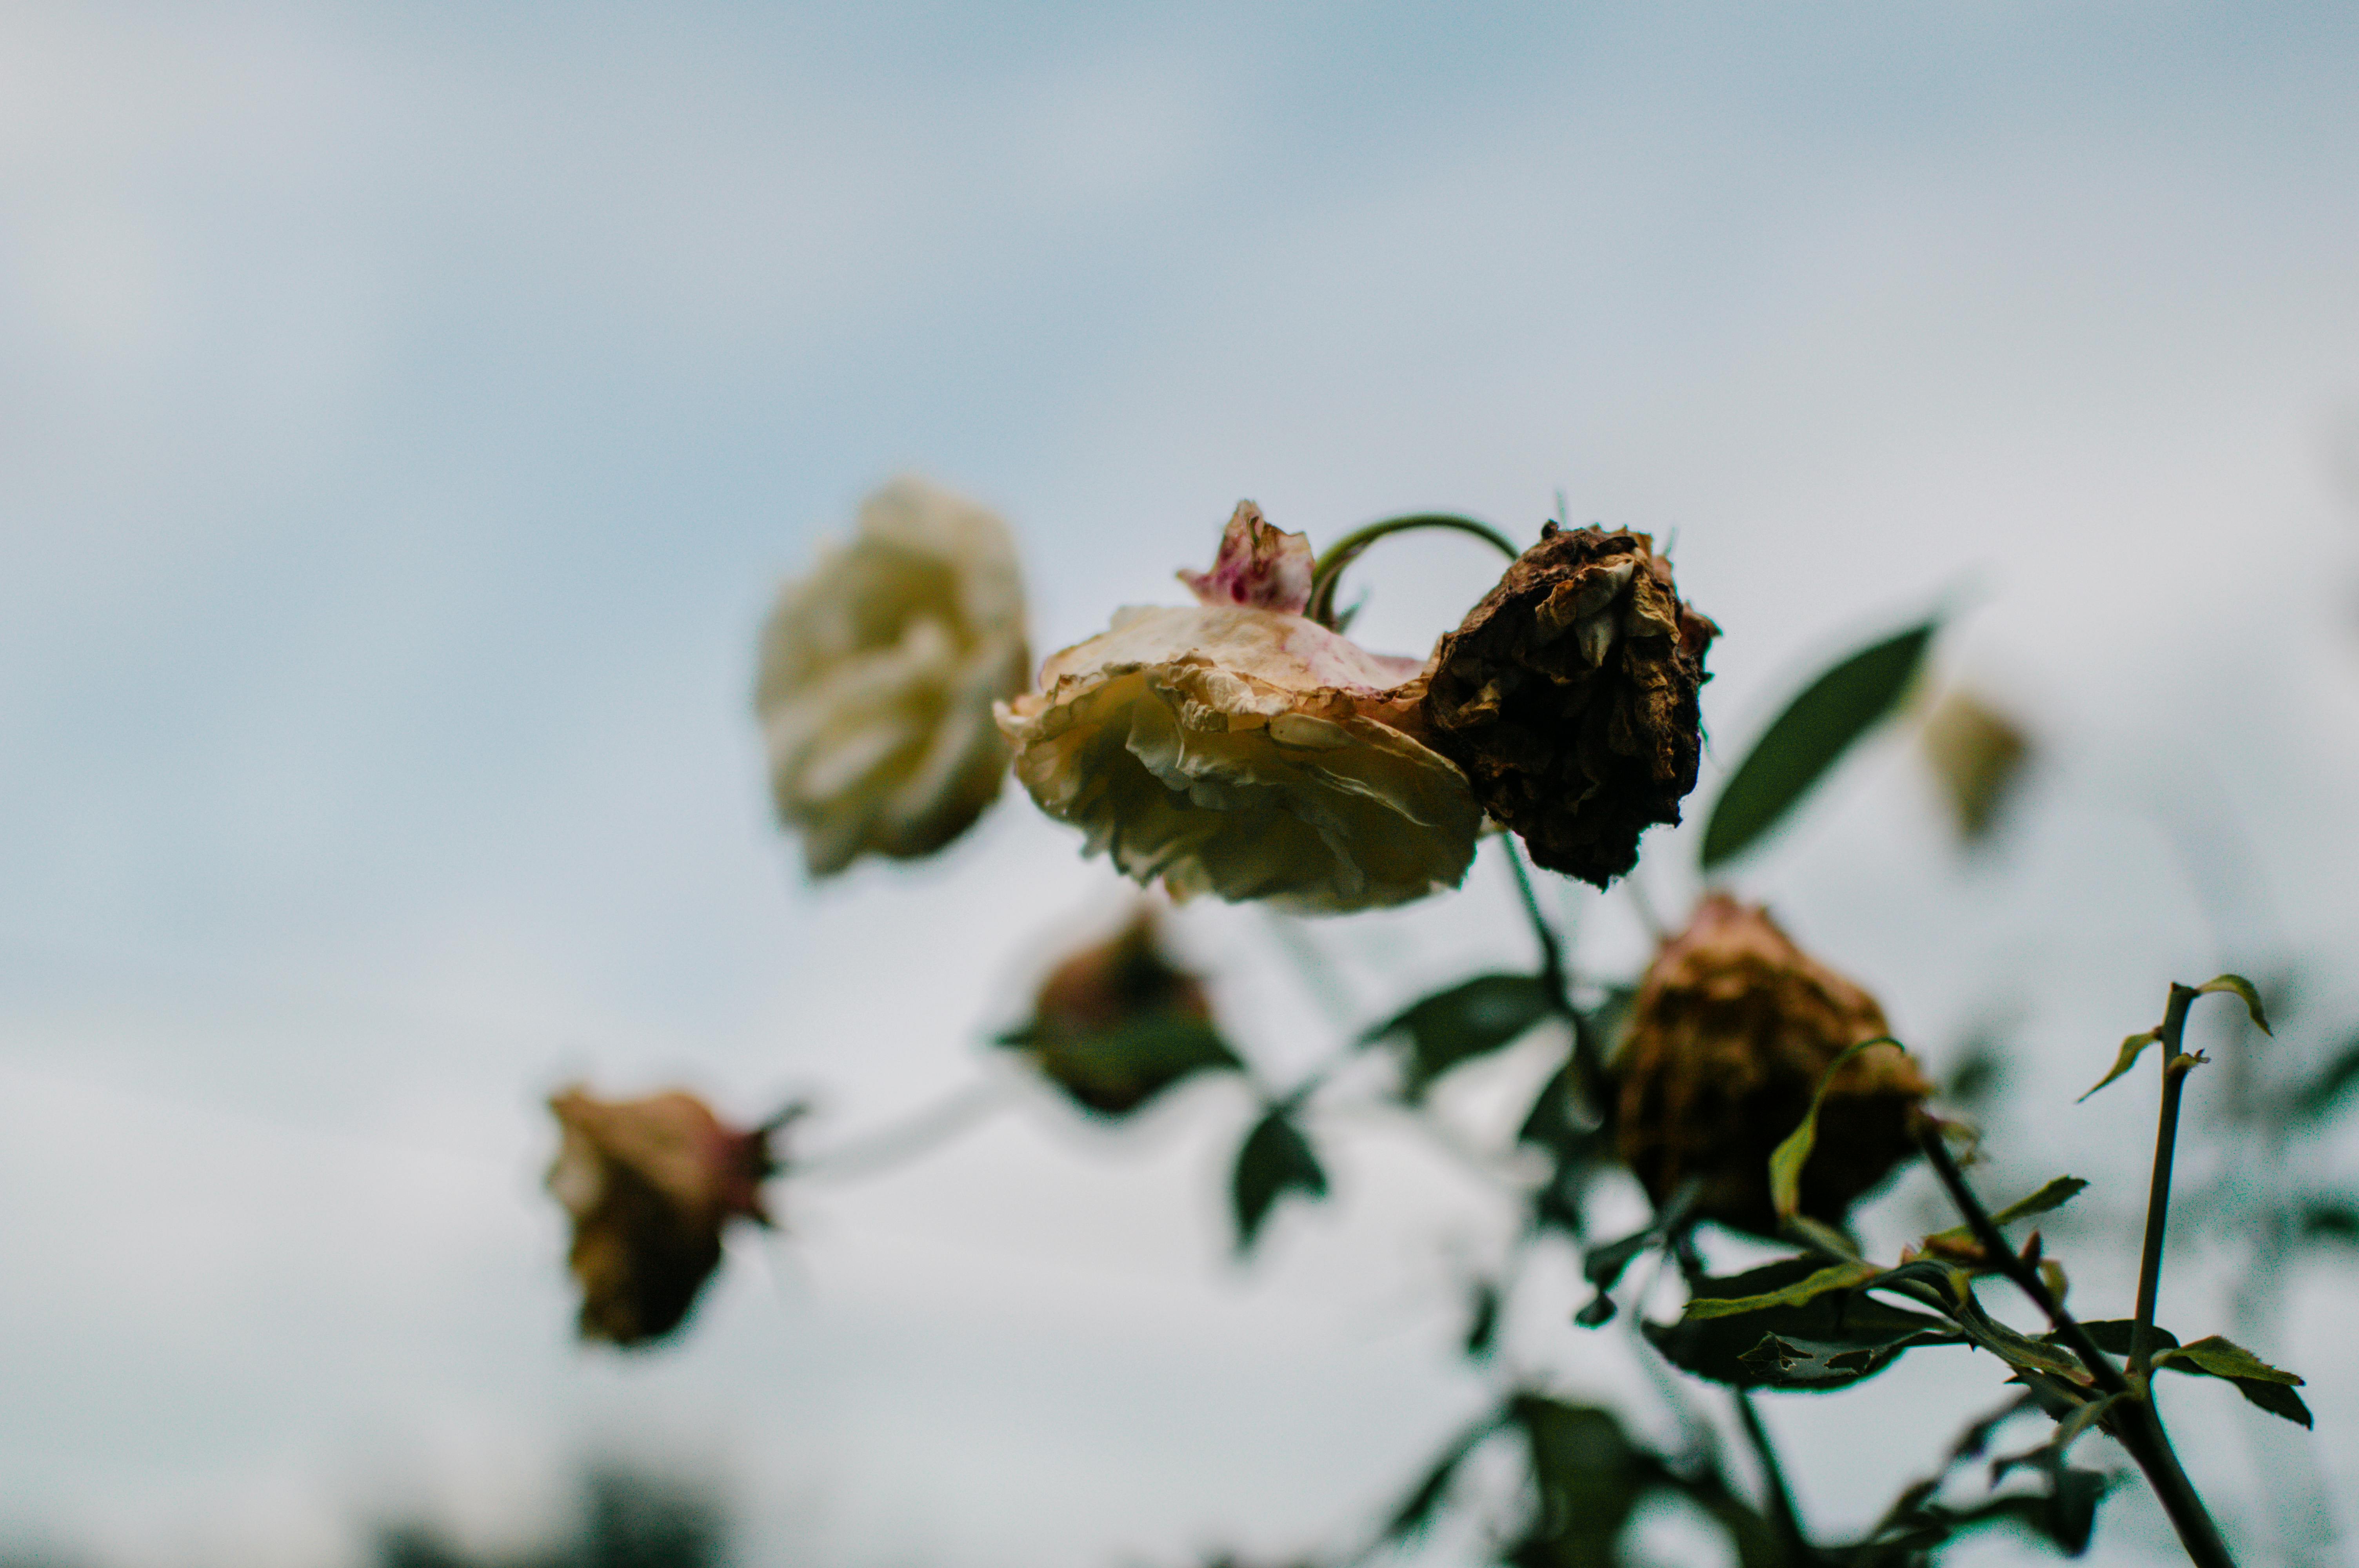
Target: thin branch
point(1782, 1512)
point(905, 1140)
point(2134, 1420)
point(2175, 1068)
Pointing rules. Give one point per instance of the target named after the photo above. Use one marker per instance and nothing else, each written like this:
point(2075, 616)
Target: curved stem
point(1330, 566)
point(891, 1146)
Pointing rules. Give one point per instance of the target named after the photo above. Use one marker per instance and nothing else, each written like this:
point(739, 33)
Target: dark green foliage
point(1471, 1019)
point(1417, 1510)
point(1481, 1320)
point(1828, 1342)
point(1275, 1160)
point(2322, 1098)
point(628, 1521)
point(2330, 1220)
point(1115, 1072)
point(1809, 738)
point(1586, 1478)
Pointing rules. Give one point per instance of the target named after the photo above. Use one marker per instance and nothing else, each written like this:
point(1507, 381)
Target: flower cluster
point(878, 671)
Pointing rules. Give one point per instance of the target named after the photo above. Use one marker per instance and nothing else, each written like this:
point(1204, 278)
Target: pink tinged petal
point(1257, 566)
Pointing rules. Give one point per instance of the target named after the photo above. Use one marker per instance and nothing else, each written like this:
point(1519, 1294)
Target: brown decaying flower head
point(1568, 697)
point(649, 1184)
point(1238, 748)
point(1732, 1030)
point(1110, 1024)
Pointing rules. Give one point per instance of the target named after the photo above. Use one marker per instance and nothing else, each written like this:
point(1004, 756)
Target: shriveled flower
point(1731, 1031)
point(1117, 1022)
point(1238, 748)
point(650, 1184)
point(1978, 754)
point(1569, 696)
point(879, 674)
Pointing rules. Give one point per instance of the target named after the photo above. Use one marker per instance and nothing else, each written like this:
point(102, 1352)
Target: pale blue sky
point(407, 411)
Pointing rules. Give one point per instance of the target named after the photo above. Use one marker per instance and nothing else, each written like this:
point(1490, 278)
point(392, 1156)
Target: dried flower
point(879, 674)
point(1117, 1022)
point(1978, 754)
point(1569, 696)
point(1240, 748)
point(1732, 1030)
point(650, 1184)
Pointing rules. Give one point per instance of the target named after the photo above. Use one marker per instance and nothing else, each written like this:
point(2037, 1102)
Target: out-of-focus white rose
point(1239, 748)
point(878, 675)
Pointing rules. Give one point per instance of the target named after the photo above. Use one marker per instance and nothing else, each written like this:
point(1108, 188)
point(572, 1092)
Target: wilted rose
point(879, 674)
point(1238, 748)
point(1569, 696)
point(1118, 1023)
point(650, 1184)
point(1731, 1031)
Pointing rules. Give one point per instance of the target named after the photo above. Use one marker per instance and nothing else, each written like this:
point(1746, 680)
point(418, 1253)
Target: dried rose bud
point(649, 1183)
point(1732, 1030)
point(1569, 698)
point(1117, 1024)
point(1978, 754)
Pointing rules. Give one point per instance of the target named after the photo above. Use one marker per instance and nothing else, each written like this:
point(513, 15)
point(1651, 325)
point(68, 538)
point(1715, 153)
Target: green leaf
point(1115, 1072)
point(1809, 738)
point(2132, 1049)
point(1275, 1160)
point(2243, 988)
point(1834, 1277)
point(1468, 1020)
point(1418, 1509)
point(2225, 1358)
point(2324, 1093)
point(1586, 1478)
point(2111, 1336)
point(1603, 1265)
point(2054, 1196)
point(1786, 1161)
point(2264, 1385)
point(1482, 1321)
point(2329, 1220)
point(1834, 1338)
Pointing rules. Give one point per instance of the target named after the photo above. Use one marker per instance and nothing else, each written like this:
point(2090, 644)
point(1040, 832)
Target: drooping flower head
point(1731, 1031)
point(1569, 696)
point(1238, 748)
point(650, 1184)
point(878, 672)
point(1117, 1022)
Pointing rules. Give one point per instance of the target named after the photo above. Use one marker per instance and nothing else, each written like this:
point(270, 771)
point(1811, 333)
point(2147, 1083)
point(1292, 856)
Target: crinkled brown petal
point(1568, 697)
point(1731, 1031)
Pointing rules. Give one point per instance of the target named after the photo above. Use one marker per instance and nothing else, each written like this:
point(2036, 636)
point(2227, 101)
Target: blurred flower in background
point(878, 673)
point(650, 1184)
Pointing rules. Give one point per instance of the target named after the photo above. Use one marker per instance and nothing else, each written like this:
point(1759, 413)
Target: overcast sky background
point(407, 412)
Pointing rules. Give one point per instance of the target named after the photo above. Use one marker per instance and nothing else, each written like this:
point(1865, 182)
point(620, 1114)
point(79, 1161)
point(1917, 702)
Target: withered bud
point(1978, 754)
point(1568, 697)
point(650, 1184)
point(1732, 1030)
point(1116, 1023)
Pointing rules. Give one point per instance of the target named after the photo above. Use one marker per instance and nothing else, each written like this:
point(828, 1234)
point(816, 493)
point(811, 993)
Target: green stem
point(1330, 566)
point(2158, 1203)
point(2134, 1422)
point(1782, 1512)
point(891, 1146)
point(1588, 1059)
